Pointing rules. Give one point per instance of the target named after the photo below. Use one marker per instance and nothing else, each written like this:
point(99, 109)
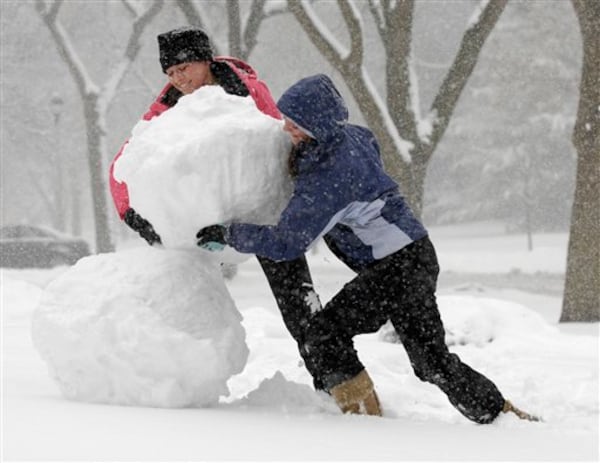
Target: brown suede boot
point(357, 395)
point(509, 407)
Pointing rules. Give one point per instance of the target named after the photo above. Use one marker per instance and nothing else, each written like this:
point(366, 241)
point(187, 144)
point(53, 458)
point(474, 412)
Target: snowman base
point(144, 327)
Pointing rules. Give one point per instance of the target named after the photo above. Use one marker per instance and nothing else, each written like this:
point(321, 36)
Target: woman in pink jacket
point(186, 57)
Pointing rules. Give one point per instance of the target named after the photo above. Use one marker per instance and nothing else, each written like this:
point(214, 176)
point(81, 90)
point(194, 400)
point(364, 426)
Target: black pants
point(292, 286)
point(400, 288)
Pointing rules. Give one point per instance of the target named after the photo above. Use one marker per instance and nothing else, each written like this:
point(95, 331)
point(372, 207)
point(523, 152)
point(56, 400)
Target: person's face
point(295, 132)
point(187, 77)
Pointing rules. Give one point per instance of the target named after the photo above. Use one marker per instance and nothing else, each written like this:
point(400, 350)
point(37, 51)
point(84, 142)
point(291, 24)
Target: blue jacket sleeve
point(307, 216)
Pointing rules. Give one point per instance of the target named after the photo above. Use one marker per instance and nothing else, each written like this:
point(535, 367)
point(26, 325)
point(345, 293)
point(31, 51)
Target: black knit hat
point(183, 45)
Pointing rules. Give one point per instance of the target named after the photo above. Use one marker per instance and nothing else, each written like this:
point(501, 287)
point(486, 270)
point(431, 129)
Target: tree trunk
point(581, 301)
point(235, 27)
point(95, 148)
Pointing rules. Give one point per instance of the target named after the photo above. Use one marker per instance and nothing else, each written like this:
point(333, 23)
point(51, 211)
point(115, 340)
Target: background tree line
point(419, 73)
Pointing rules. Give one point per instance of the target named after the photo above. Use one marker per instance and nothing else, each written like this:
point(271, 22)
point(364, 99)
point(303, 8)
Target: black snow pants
point(400, 288)
point(292, 286)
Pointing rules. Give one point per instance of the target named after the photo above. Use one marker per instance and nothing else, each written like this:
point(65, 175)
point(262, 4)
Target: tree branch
point(352, 19)
point(83, 80)
point(323, 44)
point(194, 18)
point(462, 67)
point(131, 51)
point(131, 7)
point(234, 29)
point(399, 81)
point(378, 11)
point(257, 15)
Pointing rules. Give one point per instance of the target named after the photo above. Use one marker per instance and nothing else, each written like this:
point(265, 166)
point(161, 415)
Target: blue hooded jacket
point(341, 191)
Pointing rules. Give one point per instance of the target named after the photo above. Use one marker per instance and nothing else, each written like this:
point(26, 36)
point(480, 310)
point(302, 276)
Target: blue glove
point(212, 246)
point(212, 238)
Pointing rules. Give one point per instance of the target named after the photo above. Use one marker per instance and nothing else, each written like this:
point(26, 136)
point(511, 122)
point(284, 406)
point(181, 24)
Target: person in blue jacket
point(343, 195)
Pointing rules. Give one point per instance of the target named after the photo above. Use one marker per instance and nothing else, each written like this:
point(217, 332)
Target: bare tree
point(97, 98)
point(581, 301)
point(193, 15)
point(242, 32)
point(235, 27)
point(407, 138)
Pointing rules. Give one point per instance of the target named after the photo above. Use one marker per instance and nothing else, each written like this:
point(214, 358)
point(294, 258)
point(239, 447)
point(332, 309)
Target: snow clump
point(146, 327)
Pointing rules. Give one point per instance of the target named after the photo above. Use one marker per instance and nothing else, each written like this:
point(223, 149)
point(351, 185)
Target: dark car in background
point(28, 246)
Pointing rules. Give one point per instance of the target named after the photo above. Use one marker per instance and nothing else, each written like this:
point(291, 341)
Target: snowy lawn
point(509, 334)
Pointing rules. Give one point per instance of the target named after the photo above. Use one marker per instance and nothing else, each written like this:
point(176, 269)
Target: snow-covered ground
point(501, 306)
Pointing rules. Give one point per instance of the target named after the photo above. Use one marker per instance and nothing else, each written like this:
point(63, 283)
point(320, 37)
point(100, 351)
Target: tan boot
point(357, 395)
point(509, 407)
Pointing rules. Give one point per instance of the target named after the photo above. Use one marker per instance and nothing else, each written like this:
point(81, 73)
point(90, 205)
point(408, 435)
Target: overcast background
point(507, 150)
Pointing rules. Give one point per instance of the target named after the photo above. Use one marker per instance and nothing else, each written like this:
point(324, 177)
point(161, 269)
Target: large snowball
point(212, 158)
point(149, 327)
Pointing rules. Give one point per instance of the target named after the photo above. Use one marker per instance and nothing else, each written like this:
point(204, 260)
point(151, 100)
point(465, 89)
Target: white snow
point(213, 158)
point(273, 414)
point(143, 327)
point(156, 326)
point(157, 329)
point(424, 124)
point(476, 16)
point(404, 146)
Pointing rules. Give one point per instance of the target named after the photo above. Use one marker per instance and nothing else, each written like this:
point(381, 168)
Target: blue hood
point(314, 104)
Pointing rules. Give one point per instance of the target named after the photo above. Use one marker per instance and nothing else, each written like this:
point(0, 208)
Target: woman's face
point(187, 77)
point(295, 132)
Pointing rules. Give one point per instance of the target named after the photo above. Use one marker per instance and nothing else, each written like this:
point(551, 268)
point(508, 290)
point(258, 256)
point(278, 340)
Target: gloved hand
point(145, 229)
point(212, 238)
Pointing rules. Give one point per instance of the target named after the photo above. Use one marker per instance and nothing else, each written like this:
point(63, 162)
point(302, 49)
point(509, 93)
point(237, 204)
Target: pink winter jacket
point(258, 91)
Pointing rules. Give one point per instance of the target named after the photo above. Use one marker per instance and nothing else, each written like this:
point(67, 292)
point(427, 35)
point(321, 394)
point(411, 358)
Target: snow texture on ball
point(146, 327)
point(213, 158)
